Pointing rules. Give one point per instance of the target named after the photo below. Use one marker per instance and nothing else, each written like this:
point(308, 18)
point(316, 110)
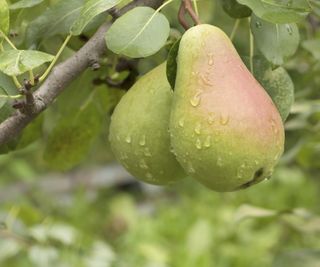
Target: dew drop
point(198, 128)
point(142, 141)
point(211, 118)
point(190, 168)
point(149, 175)
point(181, 122)
point(143, 164)
point(224, 120)
point(241, 171)
point(289, 29)
point(258, 24)
point(207, 142)
point(210, 59)
point(198, 144)
point(147, 152)
point(123, 156)
point(274, 127)
point(195, 101)
point(205, 79)
point(128, 139)
point(195, 73)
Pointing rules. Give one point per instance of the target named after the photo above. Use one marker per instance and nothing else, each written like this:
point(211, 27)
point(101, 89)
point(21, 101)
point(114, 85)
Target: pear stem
point(186, 7)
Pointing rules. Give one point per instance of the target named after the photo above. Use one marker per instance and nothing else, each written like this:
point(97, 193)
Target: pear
point(225, 130)
point(139, 133)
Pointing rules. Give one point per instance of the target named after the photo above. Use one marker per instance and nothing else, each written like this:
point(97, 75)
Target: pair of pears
point(218, 126)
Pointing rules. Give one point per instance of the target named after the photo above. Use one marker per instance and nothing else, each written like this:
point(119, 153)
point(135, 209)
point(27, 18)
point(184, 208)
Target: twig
point(63, 74)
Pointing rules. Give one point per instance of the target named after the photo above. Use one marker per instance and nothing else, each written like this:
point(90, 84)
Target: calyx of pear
point(139, 134)
point(225, 130)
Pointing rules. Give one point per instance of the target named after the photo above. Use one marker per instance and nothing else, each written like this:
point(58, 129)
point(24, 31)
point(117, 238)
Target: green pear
point(139, 133)
point(225, 130)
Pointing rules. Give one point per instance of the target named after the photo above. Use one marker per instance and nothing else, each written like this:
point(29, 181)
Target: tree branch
point(63, 74)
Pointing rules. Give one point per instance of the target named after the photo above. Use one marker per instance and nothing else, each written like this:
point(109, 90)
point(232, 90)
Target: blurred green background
point(96, 215)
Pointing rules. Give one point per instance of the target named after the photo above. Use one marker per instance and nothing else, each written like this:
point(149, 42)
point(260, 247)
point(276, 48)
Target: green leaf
point(4, 17)
point(58, 19)
point(234, 9)
point(139, 33)
point(7, 84)
point(298, 5)
point(276, 41)
point(25, 4)
point(313, 46)
point(172, 64)
point(91, 9)
point(71, 139)
point(16, 62)
point(280, 87)
point(284, 11)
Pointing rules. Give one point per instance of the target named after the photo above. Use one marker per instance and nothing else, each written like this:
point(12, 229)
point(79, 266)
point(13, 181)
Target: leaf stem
point(16, 82)
point(15, 79)
point(31, 77)
point(11, 96)
point(195, 5)
point(234, 29)
point(54, 61)
point(8, 40)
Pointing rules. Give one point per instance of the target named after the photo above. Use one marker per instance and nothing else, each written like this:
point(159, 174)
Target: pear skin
point(225, 130)
point(139, 133)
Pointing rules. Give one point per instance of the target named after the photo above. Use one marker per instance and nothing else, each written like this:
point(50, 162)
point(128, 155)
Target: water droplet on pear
point(128, 139)
point(142, 141)
point(195, 101)
point(198, 144)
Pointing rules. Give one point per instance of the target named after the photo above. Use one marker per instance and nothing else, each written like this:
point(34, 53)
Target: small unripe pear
point(226, 131)
point(139, 133)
